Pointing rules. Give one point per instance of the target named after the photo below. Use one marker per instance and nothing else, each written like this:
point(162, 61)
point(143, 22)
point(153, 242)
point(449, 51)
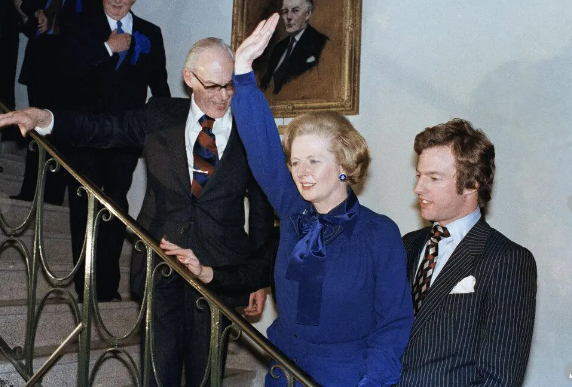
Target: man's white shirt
point(458, 229)
point(221, 129)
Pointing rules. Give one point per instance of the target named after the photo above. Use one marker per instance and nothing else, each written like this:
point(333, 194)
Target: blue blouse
point(366, 311)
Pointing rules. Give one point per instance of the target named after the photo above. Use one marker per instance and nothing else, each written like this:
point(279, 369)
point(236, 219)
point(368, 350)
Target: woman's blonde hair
point(348, 146)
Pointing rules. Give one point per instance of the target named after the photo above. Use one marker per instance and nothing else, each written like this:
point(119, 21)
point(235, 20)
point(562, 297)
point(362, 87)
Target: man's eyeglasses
point(229, 87)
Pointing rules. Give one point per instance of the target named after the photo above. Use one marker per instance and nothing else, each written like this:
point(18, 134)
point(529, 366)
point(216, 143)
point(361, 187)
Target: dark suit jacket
point(10, 22)
point(43, 52)
point(212, 225)
point(304, 56)
point(92, 82)
point(477, 339)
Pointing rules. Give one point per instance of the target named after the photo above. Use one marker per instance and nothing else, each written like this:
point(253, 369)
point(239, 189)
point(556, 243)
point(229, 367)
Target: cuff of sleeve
point(47, 130)
point(244, 79)
point(217, 281)
point(108, 49)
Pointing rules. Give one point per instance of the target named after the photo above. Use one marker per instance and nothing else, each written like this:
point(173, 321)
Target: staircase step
point(56, 322)
point(246, 356)
point(57, 251)
point(13, 281)
point(236, 377)
point(112, 373)
point(246, 366)
point(55, 218)
point(12, 147)
point(12, 164)
point(10, 185)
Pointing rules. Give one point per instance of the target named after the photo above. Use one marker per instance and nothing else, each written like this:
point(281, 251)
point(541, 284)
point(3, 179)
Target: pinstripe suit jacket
point(473, 339)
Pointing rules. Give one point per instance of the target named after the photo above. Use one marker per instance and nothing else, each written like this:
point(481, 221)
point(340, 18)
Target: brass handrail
point(238, 323)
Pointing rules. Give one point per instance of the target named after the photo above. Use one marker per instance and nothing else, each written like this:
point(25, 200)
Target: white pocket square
point(466, 285)
point(311, 59)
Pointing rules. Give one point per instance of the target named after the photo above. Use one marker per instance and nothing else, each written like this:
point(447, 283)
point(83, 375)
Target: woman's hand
point(254, 45)
point(189, 259)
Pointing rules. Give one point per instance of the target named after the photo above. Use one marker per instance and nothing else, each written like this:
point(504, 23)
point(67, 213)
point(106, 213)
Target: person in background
point(110, 58)
point(44, 82)
point(11, 20)
point(344, 305)
point(474, 290)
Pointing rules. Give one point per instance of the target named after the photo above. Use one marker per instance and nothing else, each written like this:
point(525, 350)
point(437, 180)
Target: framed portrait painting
point(313, 59)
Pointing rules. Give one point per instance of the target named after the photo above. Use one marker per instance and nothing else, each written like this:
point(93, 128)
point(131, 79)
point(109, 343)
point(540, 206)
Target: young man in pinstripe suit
point(474, 290)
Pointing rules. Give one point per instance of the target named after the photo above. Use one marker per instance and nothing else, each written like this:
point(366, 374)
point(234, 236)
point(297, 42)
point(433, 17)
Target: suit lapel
point(175, 139)
point(135, 27)
point(459, 266)
point(414, 252)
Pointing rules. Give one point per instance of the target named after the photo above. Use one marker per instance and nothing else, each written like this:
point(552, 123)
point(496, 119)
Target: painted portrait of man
point(312, 59)
point(299, 52)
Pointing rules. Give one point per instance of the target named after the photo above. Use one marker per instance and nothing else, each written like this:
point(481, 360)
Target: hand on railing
point(188, 258)
point(27, 119)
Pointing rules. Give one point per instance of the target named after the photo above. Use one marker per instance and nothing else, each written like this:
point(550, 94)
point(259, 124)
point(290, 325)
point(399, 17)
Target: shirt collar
point(299, 34)
point(126, 22)
point(223, 124)
point(460, 227)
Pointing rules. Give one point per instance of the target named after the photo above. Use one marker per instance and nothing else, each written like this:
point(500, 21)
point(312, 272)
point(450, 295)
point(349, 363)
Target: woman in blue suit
point(344, 304)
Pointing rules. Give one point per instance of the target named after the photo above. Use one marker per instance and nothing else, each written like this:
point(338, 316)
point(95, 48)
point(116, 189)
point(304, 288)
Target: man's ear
point(470, 191)
point(187, 77)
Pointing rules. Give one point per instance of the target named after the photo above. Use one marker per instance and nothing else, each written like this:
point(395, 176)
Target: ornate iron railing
point(87, 315)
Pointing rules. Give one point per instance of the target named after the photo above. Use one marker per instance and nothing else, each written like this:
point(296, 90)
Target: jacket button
point(182, 231)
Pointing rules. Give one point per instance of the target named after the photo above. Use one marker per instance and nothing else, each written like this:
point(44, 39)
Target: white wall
point(504, 65)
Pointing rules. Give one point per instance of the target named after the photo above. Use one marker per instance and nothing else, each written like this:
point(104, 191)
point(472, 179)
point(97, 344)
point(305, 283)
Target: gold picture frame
point(332, 82)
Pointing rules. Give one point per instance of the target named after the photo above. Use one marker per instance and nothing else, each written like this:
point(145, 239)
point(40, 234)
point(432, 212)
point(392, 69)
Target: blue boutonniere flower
point(142, 45)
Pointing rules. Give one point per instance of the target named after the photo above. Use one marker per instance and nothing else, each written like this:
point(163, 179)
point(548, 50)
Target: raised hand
point(27, 119)
point(254, 45)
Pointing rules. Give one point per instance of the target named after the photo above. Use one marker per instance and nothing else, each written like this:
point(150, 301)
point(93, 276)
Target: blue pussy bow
point(307, 264)
point(142, 45)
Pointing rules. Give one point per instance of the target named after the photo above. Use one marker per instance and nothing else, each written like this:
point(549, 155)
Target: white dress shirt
point(126, 26)
point(458, 229)
point(221, 129)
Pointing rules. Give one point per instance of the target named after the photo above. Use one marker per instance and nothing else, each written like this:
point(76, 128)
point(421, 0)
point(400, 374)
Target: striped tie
point(423, 278)
point(205, 156)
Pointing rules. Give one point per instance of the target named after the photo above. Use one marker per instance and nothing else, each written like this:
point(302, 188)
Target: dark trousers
point(181, 333)
point(112, 171)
